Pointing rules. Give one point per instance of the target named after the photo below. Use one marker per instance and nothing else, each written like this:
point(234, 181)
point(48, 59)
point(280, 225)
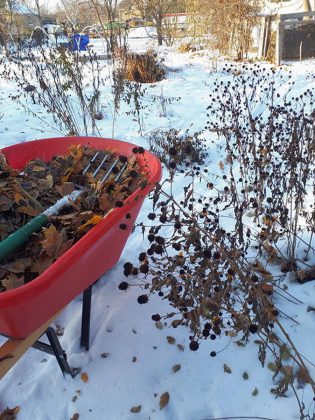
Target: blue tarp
point(79, 42)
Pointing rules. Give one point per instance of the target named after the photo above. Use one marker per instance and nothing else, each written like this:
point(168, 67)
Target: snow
point(142, 32)
point(122, 329)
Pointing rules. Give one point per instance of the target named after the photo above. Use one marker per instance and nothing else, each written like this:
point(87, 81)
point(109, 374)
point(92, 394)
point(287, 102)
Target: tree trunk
point(158, 26)
point(306, 6)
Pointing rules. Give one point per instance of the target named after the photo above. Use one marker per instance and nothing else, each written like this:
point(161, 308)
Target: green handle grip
point(19, 237)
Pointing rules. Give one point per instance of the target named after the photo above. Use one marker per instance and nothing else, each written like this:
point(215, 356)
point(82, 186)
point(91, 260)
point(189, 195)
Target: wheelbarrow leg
point(86, 318)
point(60, 354)
point(54, 348)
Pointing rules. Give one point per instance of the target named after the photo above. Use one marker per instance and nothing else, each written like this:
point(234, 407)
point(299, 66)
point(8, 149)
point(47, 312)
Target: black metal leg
point(86, 317)
point(55, 349)
point(58, 351)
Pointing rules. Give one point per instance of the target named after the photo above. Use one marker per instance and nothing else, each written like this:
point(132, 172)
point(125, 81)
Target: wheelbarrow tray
point(24, 309)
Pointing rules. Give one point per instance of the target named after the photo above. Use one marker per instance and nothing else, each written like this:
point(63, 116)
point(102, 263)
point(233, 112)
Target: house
point(287, 6)
point(20, 23)
point(24, 21)
point(175, 20)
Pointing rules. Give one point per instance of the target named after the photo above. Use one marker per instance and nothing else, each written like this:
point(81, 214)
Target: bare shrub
point(65, 87)
point(208, 251)
point(175, 148)
point(272, 151)
point(227, 24)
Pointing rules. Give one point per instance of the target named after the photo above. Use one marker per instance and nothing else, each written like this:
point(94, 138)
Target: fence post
point(279, 42)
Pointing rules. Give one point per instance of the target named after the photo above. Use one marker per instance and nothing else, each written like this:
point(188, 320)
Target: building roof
point(282, 7)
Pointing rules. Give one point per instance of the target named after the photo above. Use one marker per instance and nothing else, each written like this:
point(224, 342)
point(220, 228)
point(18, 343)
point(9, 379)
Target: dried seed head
point(123, 285)
point(142, 299)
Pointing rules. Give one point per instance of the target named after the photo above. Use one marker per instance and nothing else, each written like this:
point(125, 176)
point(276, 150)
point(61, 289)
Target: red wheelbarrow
point(28, 310)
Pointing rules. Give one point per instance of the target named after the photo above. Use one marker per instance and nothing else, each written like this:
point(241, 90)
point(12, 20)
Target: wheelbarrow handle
point(20, 236)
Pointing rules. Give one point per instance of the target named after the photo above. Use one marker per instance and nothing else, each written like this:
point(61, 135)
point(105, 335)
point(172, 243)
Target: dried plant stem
point(244, 278)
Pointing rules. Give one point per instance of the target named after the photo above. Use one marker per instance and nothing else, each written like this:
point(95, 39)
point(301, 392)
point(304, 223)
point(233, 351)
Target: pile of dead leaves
point(26, 194)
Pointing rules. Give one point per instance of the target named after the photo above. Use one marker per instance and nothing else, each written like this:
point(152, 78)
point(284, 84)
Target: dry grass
point(186, 47)
point(143, 68)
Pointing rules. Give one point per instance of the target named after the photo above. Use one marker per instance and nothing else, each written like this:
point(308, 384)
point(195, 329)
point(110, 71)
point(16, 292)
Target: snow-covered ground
point(130, 361)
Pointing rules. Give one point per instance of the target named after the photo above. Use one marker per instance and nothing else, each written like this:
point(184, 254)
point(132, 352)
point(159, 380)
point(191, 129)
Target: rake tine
point(91, 161)
point(106, 176)
point(99, 166)
point(121, 172)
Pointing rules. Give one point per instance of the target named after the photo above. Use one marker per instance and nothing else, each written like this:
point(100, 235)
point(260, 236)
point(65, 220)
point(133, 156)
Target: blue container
point(79, 42)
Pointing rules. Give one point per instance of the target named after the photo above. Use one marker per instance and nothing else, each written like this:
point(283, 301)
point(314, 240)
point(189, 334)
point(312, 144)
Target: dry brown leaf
point(159, 325)
point(29, 210)
point(12, 281)
point(176, 323)
point(55, 243)
point(303, 377)
point(76, 152)
point(67, 175)
point(9, 413)
point(176, 368)
point(3, 162)
point(75, 416)
point(47, 183)
point(93, 221)
point(170, 339)
point(5, 203)
point(84, 377)
point(267, 288)
point(53, 239)
point(41, 264)
point(65, 189)
point(18, 265)
point(226, 368)
point(164, 400)
point(105, 202)
point(180, 347)
point(136, 409)
point(259, 268)
point(221, 165)
point(269, 221)
point(19, 198)
point(38, 168)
